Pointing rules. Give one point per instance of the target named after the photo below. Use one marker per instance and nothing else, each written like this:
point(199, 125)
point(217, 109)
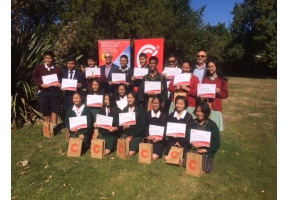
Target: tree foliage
point(254, 33)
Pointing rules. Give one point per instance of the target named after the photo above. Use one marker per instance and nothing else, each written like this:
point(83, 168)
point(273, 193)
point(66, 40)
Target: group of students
point(149, 108)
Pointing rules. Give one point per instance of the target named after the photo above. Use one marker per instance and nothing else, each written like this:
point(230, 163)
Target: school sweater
point(191, 95)
point(40, 71)
point(222, 84)
point(115, 116)
point(138, 129)
point(157, 121)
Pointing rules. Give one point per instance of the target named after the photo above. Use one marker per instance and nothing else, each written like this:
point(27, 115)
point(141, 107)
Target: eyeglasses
point(201, 56)
point(107, 56)
point(171, 61)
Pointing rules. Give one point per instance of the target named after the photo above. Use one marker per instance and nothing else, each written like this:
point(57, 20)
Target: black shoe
point(183, 164)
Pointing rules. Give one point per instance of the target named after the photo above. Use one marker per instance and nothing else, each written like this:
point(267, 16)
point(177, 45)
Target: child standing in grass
point(49, 96)
point(215, 76)
point(202, 122)
point(77, 110)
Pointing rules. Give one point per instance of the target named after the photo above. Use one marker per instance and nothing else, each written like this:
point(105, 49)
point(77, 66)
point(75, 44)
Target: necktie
point(71, 74)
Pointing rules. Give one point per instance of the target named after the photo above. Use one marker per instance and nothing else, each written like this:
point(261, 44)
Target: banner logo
point(148, 49)
point(144, 153)
point(174, 154)
point(74, 147)
point(192, 164)
point(97, 149)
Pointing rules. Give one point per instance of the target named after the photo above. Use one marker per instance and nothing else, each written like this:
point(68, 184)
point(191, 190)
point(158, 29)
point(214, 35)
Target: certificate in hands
point(103, 121)
point(94, 100)
point(140, 72)
point(50, 80)
point(200, 138)
point(93, 72)
point(182, 79)
point(171, 72)
point(78, 122)
point(122, 104)
point(118, 78)
point(152, 87)
point(127, 118)
point(69, 84)
point(175, 129)
point(156, 131)
point(206, 90)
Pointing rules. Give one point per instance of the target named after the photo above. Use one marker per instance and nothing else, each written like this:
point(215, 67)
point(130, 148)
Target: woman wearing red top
point(215, 76)
point(190, 90)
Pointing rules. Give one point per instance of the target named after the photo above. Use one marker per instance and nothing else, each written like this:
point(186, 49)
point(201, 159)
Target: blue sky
point(216, 10)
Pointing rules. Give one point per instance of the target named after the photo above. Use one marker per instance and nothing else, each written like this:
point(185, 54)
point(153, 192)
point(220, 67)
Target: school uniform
point(216, 103)
point(83, 111)
point(73, 74)
point(185, 118)
point(157, 119)
point(208, 158)
point(190, 95)
point(144, 96)
point(94, 110)
point(89, 82)
point(128, 74)
point(111, 137)
point(49, 98)
point(136, 132)
point(137, 82)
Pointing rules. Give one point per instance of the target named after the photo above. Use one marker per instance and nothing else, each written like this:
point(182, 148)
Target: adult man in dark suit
point(107, 70)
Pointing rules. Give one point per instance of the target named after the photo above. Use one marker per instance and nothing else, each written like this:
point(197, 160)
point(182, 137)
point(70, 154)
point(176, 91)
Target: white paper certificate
point(127, 118)
point(156, 131)
point(50, 80)
point(104, 121)
point(152, 87)
point(69, 84)
point(182, 79)
point(94, 100)
point(118, 78)
point(206, 90)
point(122, 104)
point(171, 72)
point(78, 122)
point(93, 72)
point(199, 137)
point(140, 72)
point(175, 129)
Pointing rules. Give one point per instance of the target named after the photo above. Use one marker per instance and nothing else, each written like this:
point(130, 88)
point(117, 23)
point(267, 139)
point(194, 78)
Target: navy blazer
point(103, 74)
point(79, 75)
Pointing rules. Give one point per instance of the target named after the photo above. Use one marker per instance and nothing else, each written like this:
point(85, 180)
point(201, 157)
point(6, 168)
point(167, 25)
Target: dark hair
point(91, 58)
point(49, 53)
point(135, 95)
point(218, 69)
point(189, 62)
point(71, 59)
point(78, 93)
point(143, 55)
point(204, 108)
point(182, 98)
point(117, 91)
point(172, 56)
point(113, 105)
point(154, 58)
point(100, 90)
point(158, 97)
point(124, 56)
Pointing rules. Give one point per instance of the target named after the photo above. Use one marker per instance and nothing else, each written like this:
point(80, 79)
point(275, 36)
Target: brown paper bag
point(74, 146)
point(98, 147)
point(122, 147)
point(194, 164)
point(48, 129)
point(179, 94)
point(175, 156)
point(145, 152)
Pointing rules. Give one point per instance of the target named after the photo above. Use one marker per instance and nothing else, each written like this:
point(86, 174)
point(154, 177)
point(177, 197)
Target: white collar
point(107, 111)
point(48, 68)
point(131, 110)
point(153, 113)
point(181, 116)
point(127, 68)
point(124, 98)
point(78, 112)
point(196, 66)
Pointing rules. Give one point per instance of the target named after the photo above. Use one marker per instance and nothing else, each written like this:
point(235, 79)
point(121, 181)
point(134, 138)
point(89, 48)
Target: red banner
point(150, 46)
point(116, 47)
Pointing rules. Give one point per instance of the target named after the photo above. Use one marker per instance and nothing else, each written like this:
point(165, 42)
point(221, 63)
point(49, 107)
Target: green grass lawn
point(245, 165)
